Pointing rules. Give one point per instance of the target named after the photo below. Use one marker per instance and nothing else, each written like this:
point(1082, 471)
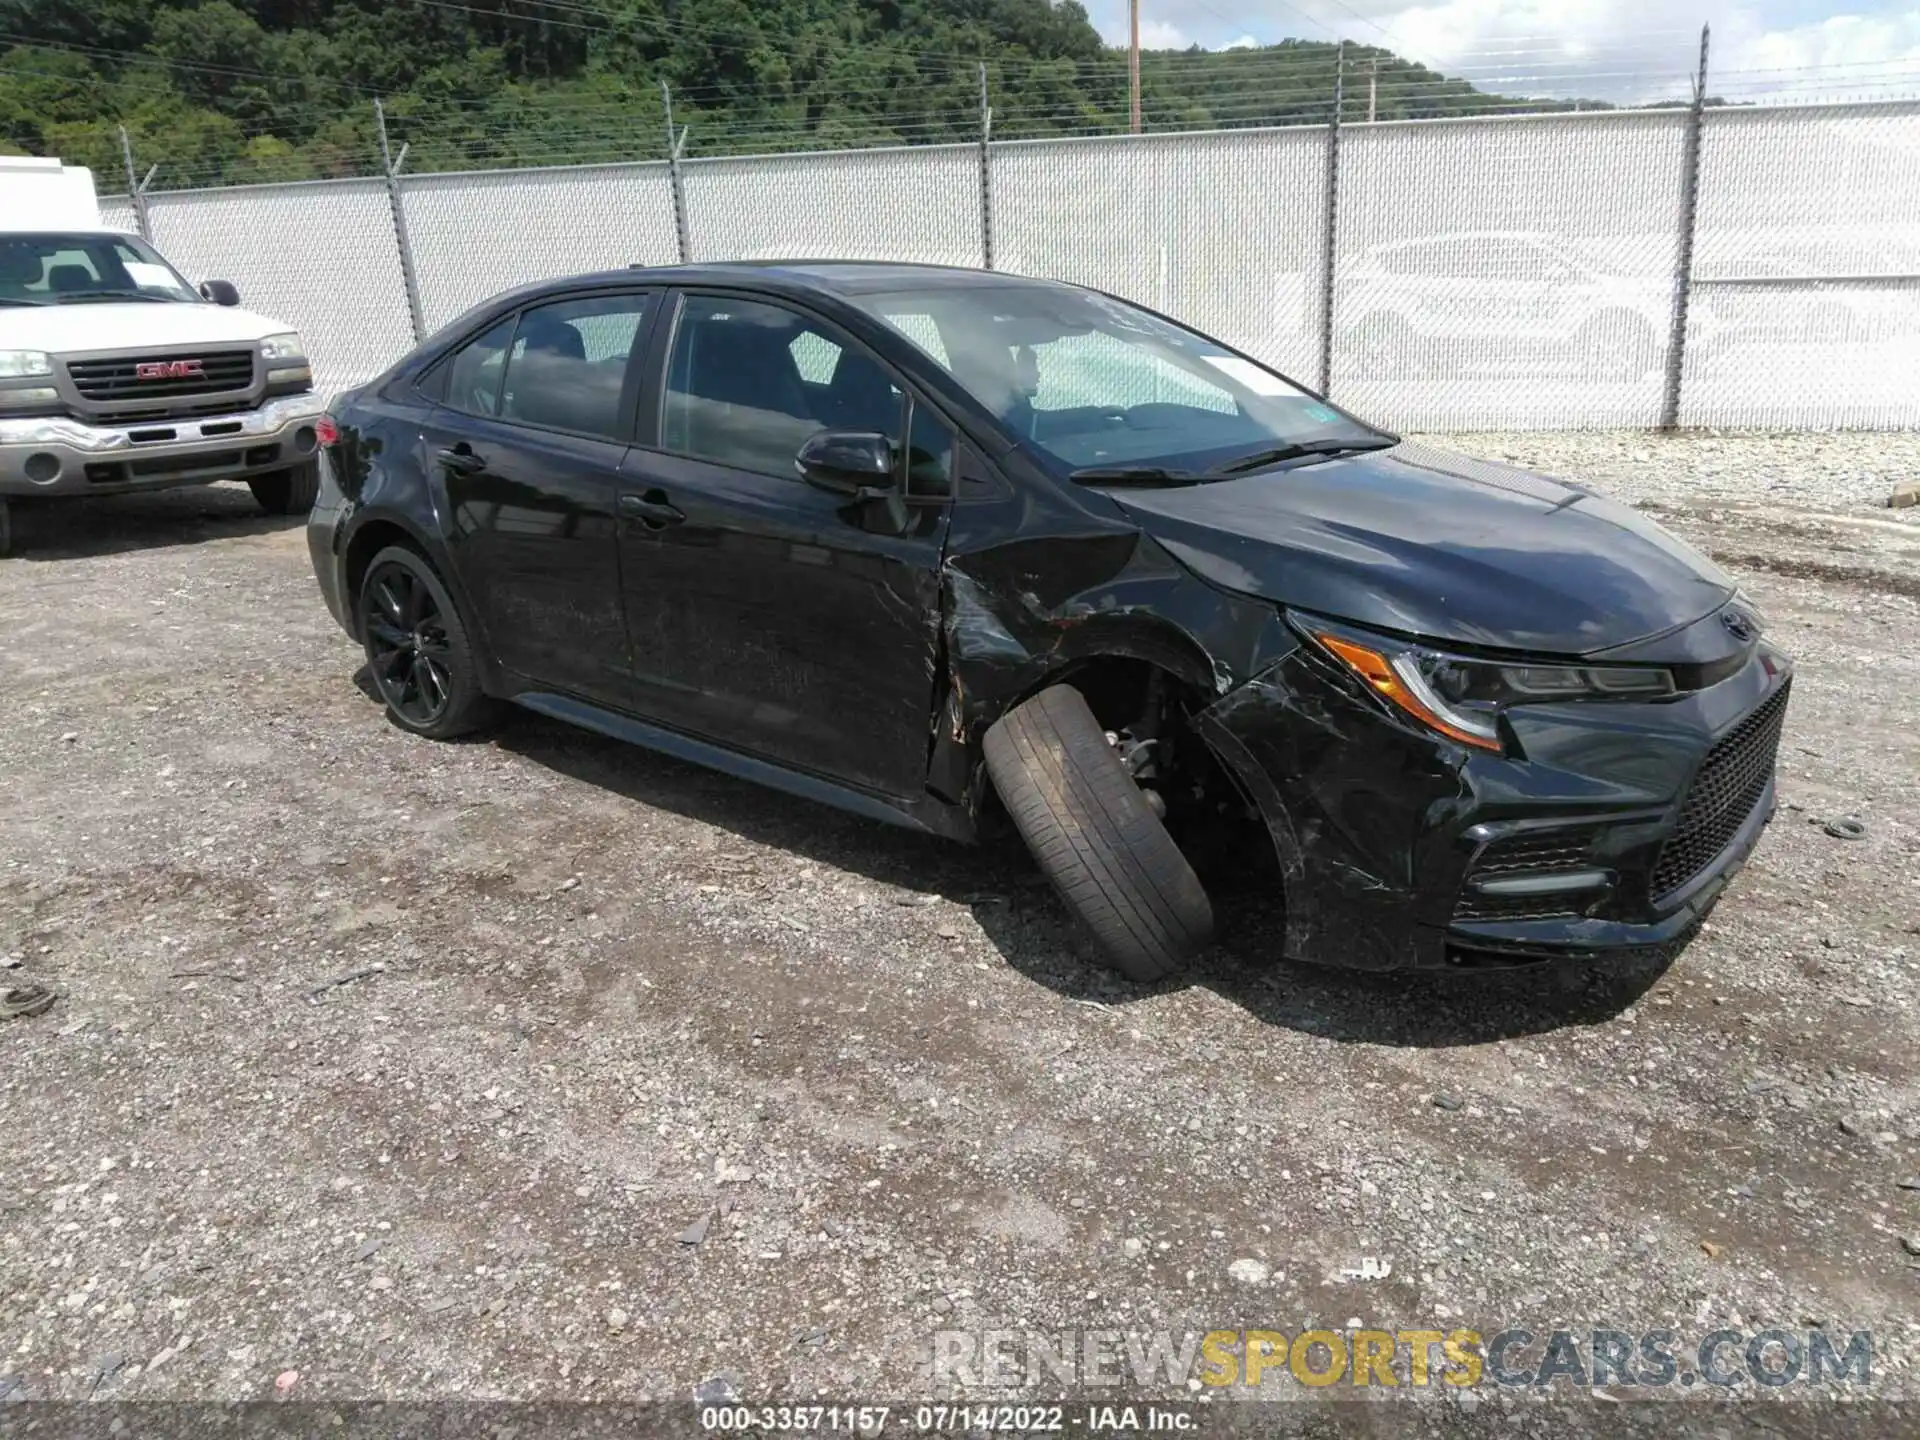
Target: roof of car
point(845, 277)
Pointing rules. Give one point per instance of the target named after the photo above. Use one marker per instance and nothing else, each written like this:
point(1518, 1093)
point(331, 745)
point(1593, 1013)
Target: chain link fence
point(1805, 305)
point(1523, 271)
point(476, 233)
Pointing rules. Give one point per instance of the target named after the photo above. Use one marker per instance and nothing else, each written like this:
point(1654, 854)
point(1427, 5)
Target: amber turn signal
point(1384, 679)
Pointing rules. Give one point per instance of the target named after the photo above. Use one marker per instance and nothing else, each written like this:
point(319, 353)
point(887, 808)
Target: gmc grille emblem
point(170, 370)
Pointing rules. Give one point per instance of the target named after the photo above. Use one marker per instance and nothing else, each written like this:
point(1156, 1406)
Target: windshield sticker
point(150, 277)
point(1249, 375)
point(1325, 414)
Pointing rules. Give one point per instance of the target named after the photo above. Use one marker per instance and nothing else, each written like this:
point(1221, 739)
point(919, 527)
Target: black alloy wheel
point(408, 646)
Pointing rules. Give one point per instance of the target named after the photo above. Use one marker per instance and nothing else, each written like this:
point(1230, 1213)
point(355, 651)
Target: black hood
point(1440, 545)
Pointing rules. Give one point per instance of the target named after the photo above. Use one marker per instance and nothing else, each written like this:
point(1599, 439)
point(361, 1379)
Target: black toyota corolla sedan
point(949, 548)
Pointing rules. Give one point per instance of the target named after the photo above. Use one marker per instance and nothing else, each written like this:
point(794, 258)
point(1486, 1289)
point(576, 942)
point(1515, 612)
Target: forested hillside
point(238, 90)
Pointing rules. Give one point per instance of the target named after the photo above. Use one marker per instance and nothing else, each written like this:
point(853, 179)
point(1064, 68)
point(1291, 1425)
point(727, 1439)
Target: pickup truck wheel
point(288, 492)
point(417, 648)
point(1095, 836)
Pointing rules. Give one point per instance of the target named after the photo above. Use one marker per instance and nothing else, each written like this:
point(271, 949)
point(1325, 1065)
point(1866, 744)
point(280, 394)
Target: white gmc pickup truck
point(116, 374)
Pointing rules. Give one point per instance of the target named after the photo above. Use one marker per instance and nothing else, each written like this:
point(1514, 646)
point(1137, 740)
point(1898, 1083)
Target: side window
point(568, 364)
point(473, 375)
point(748, 383)
point(923, 330)
point(929, 454)
point(815, 357)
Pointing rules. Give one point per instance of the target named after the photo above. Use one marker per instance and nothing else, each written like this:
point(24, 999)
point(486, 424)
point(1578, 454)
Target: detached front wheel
point(1095, 836)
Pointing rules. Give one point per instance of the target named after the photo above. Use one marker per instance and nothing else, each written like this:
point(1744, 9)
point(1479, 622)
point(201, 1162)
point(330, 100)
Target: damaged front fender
point(1024, 615)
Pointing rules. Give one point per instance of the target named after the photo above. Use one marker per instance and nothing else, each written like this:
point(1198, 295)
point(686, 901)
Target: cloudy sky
point(1608, 49)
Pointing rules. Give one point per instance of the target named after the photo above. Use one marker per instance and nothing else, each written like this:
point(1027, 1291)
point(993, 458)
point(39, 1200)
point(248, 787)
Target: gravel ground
point(651, 1078)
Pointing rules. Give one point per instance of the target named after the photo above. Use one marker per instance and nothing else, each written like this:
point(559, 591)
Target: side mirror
point(854, 463)
point(220, 292)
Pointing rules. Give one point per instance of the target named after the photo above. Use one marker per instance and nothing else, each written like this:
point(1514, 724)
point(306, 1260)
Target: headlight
point(17, 364)
point(1462, 696)
point(283, 347)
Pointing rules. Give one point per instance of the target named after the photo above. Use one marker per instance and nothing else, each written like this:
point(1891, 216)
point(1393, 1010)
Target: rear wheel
point(1096, 836)
point(418, 649)
point(6, 527)
point(291, 491)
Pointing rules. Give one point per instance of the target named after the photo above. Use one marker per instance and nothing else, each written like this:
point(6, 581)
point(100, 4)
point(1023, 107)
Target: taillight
point(326, 432)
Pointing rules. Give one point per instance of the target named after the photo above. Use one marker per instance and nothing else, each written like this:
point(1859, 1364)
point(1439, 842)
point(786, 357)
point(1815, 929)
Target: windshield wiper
point(1134, 475)
point(13, 300)
point(67, 295)
point(1260, 459)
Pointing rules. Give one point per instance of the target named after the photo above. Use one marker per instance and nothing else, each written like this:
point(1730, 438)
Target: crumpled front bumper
point(57, 455)
point(1387, 834)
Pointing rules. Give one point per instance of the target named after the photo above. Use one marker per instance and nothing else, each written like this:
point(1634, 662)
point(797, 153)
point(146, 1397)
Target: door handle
point(461, 460)
point(651, 510)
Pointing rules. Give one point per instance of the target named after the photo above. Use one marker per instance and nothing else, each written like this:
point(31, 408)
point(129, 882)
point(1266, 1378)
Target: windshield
point(1094, 383)
point(64, 269)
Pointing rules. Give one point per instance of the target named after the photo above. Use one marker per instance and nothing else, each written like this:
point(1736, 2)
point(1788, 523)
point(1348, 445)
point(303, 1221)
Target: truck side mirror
point(220, 292)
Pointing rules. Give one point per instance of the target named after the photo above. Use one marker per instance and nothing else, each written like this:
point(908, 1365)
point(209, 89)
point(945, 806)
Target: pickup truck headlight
point(19, 364)
point(278, 349)
point(1463, 696)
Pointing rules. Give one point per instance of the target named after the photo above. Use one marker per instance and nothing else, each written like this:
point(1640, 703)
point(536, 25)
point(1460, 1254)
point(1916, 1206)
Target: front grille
point(1535, 850)
point(1729, 784)
point(1475, 906)
point(1529, 852)
point(107, 381)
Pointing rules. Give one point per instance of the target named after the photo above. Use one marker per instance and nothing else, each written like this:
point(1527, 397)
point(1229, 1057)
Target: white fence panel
point(476, 234)
point(1515, 271)
point(117, 213)
point(320, 256)
point(1496, 272)
point(1224, 231)
point(920, 204)
point(1788, 196)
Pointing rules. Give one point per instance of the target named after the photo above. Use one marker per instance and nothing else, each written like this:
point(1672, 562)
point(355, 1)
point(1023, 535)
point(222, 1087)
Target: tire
point(418, 650)
point(6, 528)
point(291, 491)
point(1094, 835)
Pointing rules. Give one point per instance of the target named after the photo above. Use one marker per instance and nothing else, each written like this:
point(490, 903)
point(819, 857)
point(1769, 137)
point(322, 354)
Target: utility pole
point(1373, 89)
point(1133, 61)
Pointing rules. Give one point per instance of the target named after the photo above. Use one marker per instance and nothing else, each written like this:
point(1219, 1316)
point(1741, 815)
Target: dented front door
point(768, 617)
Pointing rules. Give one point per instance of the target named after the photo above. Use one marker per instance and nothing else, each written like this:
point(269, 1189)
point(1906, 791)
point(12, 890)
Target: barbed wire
point(901, 95)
